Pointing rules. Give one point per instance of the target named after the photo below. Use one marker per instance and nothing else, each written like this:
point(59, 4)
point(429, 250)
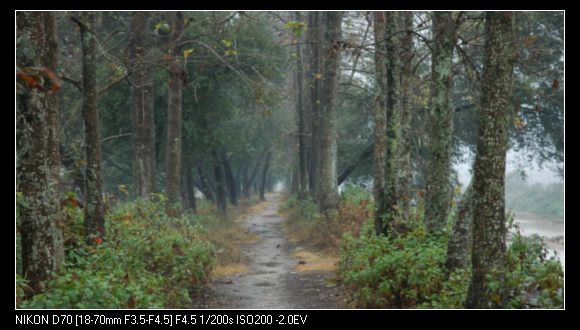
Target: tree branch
point(115, 137)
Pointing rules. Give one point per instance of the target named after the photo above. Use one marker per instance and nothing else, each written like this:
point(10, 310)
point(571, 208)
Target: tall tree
point(380, 123)
point(328, 190)
point(230, 179)
point(220, 185)
point(94, 205)
point(142, 102)
point(438, 190)
point(393, 117)
point(405, 137)
point(315, 37)
point(489, 229)
point(302, 148)
point(37, 151)
point(176, 77)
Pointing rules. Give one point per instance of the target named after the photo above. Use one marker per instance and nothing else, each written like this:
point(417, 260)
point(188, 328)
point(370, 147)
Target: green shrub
point(408, 271)
point(147, 260)
point(400, 272)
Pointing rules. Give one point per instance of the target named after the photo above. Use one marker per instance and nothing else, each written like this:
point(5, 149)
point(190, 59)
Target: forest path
point(273, 280)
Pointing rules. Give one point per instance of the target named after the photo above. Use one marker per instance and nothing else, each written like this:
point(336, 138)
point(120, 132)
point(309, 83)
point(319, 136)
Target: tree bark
point(94, 205)
point(38, 155)
point(302, 178)
point(328, 189)
point(315, 38)
point(174, 138)
point(405, 138)
point(438, 189)
point(489, 229)
point(393, 120)
point(459, 244)
point(380, 124)
point(142, 116)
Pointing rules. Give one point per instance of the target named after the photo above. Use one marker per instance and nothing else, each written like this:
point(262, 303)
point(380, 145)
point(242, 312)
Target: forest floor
point(277, 273)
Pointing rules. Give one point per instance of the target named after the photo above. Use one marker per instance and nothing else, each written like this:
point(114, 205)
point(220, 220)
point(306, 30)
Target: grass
point(311, 261)
point(228, 235)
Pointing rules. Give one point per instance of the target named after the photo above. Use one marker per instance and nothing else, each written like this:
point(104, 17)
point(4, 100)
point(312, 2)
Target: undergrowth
point(147, 260)
point(407, 269)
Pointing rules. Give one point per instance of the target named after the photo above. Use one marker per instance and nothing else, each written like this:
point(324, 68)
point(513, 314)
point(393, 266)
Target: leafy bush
point(408, 271)
point(400, 272)
point(147, 260)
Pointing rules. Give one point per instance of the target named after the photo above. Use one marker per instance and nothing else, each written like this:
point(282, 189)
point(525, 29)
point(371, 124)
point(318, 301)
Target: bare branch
point(115, 137)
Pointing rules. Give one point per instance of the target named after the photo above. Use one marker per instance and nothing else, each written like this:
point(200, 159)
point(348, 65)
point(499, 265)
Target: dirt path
point(272, 280)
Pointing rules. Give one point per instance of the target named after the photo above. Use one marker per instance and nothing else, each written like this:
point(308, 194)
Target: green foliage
point(355, 194)
point(303, 209)
point(532, 278)
point(296, 27)
point(402, 272)
point(408, 271)
point(148, 260)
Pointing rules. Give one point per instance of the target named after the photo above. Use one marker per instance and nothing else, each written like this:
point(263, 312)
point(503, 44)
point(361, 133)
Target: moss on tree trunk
point(489, 228)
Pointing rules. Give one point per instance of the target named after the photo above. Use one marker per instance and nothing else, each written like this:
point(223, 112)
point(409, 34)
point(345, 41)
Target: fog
point(534, 174)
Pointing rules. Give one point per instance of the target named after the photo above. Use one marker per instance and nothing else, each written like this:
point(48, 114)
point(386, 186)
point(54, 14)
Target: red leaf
point(30, 80)
point(53, 78)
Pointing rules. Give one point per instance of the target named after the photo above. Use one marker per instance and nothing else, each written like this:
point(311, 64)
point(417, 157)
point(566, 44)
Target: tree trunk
point(188, 186)
point(94, 206)
point(265, 176)
point(230, 180)
point(393, 119)
point(489, 229)
point(380, 124)
point(405, 138)
point(328, 192)
point(38, 157)
point(302, 178)
point(252, 179)
point(142, 117)
point(438, 190)
point(174, 138)
point(459, 244)
point(315, 39)
point(220, 185)
point(361, 159)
